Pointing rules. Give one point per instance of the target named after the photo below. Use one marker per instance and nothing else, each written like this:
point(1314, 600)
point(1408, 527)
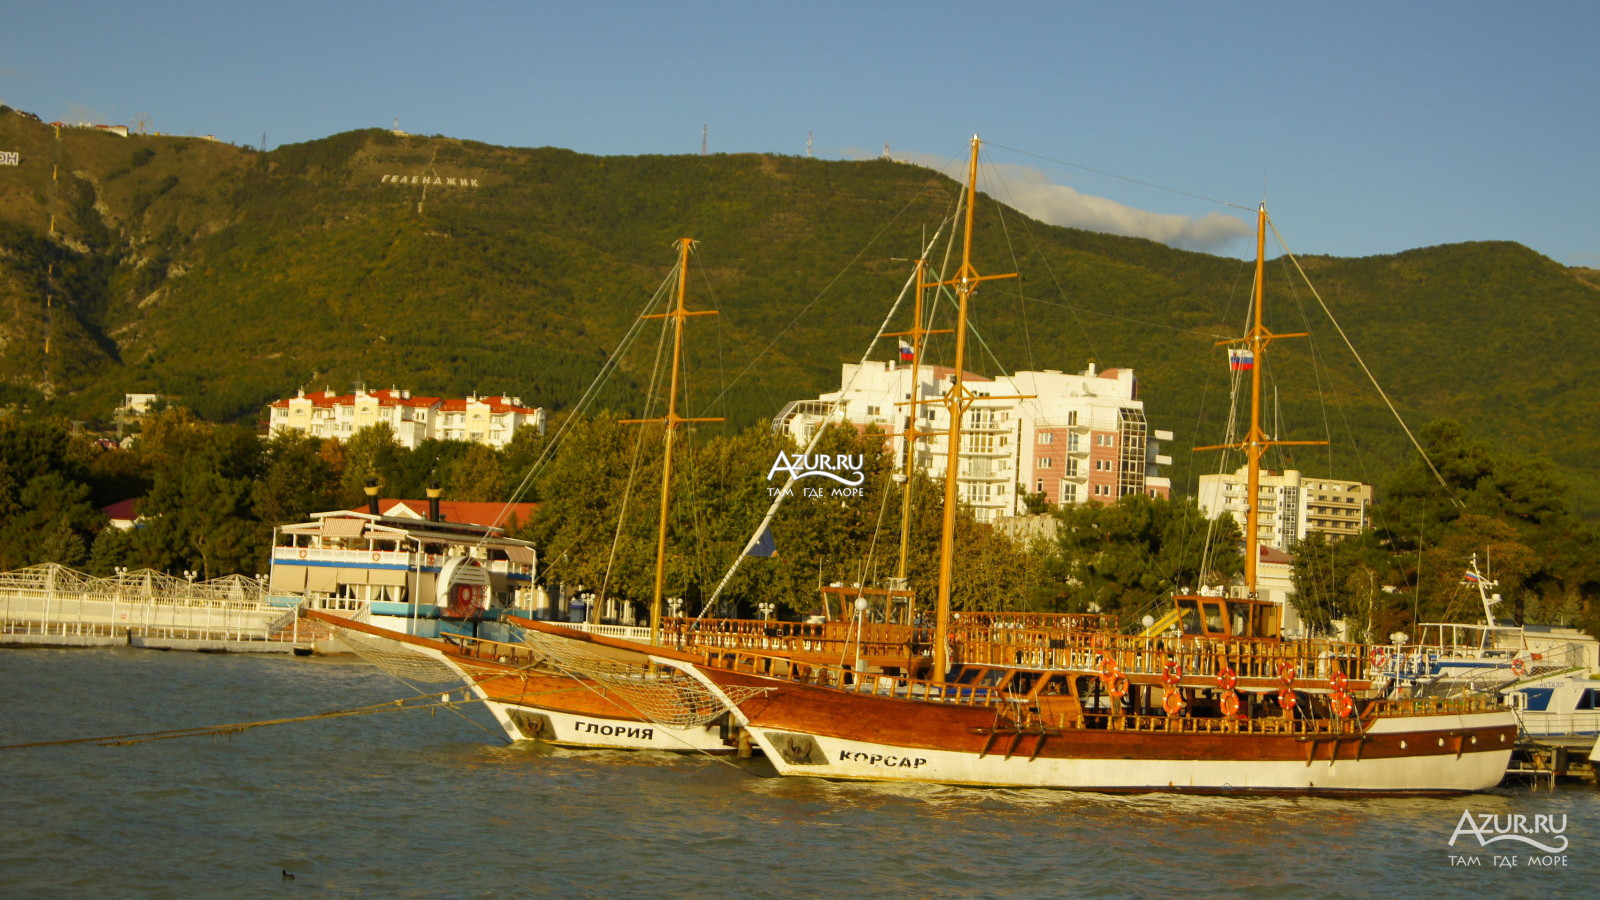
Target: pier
point(53, 606)
point(1545, 760)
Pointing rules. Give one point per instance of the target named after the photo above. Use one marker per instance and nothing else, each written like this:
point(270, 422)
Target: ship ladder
point(991, 735)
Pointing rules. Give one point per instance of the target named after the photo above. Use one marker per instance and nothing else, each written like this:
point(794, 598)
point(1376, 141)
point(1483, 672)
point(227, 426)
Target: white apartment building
point(479, 420)
point(1291, 507)
point(1073, 438)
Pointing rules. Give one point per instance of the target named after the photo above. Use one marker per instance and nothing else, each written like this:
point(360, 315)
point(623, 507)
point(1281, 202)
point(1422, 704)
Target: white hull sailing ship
point(1226, 705)
point(561, 691)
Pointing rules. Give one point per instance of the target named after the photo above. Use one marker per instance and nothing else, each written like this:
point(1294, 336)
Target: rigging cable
point(777, 501)
point(590, 395)
point(1363, 363)
point(638, 452)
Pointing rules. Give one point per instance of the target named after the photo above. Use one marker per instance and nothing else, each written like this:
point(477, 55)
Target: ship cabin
point(1228, 617)
point(405, 574)
point(842, 603)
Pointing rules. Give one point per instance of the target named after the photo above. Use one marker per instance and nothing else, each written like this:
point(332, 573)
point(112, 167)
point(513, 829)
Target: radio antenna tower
point(703, 130)
point(809, 137)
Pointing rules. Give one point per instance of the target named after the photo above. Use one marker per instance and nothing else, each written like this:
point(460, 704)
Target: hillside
point(225, 277)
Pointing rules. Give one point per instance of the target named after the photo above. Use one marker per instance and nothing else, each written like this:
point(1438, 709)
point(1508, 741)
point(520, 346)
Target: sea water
point(417, 804)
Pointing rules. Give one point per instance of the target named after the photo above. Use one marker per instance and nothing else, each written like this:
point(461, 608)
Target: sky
point(1367, 128)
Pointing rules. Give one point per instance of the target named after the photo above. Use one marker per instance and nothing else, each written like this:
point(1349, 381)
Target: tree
point(476, 476)
point(199, 511)
point(370, 455)
point(1125, 557)
point(1499, 506)
point(1340, 580)
point(45, 509)
point(296, 480)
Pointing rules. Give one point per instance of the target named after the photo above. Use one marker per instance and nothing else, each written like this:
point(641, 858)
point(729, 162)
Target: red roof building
point(413, 418)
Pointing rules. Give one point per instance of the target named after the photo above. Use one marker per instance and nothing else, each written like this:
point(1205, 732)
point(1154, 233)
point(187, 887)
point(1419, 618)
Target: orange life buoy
point(1286, 674)
point(1117, 687)
point(1227, 679)
point(1379, 657)
point(1230, 703)
point(1108, 665)
point(1286, 699)
point(1172, 673)
point(1518, 669)
point(1340, 680)
point(302, 553)
point(1172, 702)
point(1342, 704)
point(376, 556)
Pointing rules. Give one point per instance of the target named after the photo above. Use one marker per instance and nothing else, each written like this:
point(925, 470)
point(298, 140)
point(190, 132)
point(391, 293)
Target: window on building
point(1046, 437)
point(1044, 462)
point(1072, 417)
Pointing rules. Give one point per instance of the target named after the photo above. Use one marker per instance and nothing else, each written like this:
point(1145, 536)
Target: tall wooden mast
point(957, 400)
point(1256, 441)
point(671, 421)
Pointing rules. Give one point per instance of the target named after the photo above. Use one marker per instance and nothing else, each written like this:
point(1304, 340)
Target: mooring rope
point(118, 740)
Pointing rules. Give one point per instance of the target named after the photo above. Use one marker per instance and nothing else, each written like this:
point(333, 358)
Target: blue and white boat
point(1549, 675)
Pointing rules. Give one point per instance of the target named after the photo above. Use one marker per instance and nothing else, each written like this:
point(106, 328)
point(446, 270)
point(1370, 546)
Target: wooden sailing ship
point(1225, 704)
point(558, 685)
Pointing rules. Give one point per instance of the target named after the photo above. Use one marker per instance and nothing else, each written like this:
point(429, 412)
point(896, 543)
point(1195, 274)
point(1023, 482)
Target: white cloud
point(1030, 191)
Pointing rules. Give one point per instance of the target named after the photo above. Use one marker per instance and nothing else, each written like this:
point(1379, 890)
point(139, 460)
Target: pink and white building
point(1072, 438)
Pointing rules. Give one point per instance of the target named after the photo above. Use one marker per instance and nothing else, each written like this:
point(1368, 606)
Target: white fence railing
point(51, 599)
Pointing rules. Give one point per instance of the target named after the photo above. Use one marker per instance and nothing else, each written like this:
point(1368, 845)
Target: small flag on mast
point(906, 353)
point(765, 545)
point(1241, 359)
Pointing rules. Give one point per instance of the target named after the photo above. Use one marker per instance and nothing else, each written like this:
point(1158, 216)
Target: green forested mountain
point(224, 277)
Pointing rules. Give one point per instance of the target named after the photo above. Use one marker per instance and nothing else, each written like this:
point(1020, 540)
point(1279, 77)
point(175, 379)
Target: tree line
point(210, 495)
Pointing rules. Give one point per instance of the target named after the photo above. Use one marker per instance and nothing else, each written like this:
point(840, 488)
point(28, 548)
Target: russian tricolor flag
point(906, 353)
point(1474, 576)
point(1241, 359)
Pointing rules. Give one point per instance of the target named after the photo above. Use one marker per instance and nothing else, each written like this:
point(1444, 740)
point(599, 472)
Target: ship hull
point(552, 724)
point(808, 730)
point(530, 702)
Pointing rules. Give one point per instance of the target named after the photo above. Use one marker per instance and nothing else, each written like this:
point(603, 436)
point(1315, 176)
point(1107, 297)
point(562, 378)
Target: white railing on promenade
point(51, 599)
